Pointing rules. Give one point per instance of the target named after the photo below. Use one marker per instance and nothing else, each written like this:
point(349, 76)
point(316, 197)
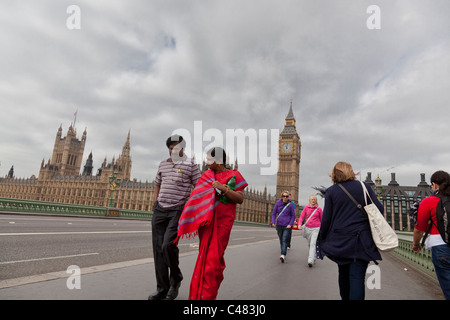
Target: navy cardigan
point(344, 234)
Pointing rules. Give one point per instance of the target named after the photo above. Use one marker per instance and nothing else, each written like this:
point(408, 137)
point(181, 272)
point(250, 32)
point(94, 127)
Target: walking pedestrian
point(344, 235)
point(440, 251)
point(210, 212)
point(312, 213)
point(290, 237)
point(283, 216)
point(173, 184)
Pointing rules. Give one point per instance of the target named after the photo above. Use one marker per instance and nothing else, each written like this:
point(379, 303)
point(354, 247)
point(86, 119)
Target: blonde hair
point(341, 172)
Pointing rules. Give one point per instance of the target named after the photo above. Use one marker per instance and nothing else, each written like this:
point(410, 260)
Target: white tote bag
point(383, 235)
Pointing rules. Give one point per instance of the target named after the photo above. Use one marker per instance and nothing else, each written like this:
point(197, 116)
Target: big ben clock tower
point(289, 153)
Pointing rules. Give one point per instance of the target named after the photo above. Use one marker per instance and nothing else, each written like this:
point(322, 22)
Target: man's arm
point(158, 181)
point(157, 187)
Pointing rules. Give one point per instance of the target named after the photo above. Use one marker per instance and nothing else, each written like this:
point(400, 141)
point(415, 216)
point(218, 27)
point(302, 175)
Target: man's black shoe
point(158, 295)
point(173, 292)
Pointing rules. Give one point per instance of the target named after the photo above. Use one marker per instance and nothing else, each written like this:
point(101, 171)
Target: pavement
point(253, 272)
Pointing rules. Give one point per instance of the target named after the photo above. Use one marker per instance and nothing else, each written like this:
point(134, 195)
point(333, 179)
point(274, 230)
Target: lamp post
point(113, 183)
point(378, 187)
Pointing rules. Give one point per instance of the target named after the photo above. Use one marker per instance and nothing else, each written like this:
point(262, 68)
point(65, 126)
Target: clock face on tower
point(286, 147)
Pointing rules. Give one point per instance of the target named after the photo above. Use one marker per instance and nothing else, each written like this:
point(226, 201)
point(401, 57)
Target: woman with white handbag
point(345, 235)
point(312, 213)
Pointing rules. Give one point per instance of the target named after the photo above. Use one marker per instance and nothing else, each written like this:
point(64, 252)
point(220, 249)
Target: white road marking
point(50, 258)
point(237, 239)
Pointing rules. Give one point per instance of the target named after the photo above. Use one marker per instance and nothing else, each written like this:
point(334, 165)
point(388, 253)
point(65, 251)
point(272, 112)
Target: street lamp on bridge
point(113, 183)
point(378, 187)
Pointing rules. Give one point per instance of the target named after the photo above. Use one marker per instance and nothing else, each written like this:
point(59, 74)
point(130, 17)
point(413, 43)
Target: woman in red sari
point(210, 213)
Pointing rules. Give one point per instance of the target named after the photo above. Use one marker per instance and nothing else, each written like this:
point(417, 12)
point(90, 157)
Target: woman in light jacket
point(312, 214)
point(345, 235)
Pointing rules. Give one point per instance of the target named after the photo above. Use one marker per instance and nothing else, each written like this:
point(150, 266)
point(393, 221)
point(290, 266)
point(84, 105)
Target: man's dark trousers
point(165, 252)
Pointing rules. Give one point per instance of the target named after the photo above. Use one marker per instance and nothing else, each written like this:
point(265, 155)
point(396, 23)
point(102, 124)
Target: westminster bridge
point(45, 245)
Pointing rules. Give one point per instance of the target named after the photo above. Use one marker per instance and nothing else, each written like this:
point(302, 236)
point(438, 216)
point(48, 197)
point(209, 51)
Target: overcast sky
point(378, 98)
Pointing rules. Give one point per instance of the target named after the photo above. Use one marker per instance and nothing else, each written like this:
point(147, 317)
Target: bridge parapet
point(29, 206)
point(421, 260)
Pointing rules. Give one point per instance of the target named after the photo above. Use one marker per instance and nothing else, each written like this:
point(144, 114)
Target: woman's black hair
point(218, 154)
point(442, 179)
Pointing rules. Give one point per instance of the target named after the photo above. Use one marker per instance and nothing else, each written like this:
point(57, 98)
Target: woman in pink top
point(313, 215)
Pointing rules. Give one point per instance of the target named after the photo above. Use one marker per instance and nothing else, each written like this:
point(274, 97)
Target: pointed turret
point(289, 122)
point(83, 138)
point(11, 172)
point(126, 147)
point(59, 133)
point(290, 114)
point(87, 171)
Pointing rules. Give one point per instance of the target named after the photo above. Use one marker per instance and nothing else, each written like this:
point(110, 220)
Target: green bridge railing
point(29, 206)
point(420, 260)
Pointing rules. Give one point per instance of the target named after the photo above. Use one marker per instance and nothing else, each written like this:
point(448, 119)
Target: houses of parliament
point(62, 178)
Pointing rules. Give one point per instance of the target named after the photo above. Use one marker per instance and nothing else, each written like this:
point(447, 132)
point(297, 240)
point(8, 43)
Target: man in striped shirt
point(174, 181)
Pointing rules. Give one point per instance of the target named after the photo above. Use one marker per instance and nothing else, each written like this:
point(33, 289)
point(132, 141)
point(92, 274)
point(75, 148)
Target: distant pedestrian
point(440, 251)
point(312, 214)
point(290, 237)
point(283, 216)
point(173, 184)
point(345, 235)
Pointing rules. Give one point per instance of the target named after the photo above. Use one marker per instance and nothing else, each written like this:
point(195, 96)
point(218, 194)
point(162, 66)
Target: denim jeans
point(284, 234)
point(440, 256)
point(351, 280)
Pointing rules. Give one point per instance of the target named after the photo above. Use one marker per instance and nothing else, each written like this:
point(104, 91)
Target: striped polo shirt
point(176, 181)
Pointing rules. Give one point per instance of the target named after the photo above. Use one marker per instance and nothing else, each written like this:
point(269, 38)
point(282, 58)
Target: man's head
point(176, 145)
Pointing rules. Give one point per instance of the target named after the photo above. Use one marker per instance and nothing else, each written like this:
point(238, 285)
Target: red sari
point(213, 221)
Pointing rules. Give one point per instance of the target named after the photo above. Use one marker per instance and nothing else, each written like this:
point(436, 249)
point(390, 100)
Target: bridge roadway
point(254, 272)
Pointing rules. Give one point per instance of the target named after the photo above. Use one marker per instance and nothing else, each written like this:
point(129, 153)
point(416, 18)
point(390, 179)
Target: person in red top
point(440, 251)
